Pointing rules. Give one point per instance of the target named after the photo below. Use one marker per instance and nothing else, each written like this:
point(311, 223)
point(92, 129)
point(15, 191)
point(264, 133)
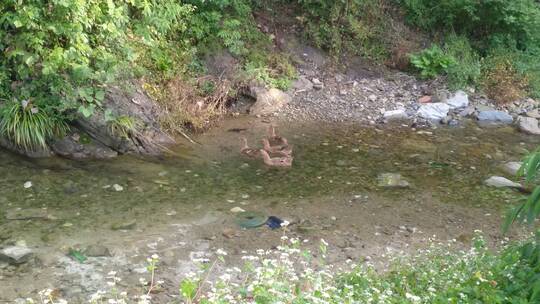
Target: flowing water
point(179, 206)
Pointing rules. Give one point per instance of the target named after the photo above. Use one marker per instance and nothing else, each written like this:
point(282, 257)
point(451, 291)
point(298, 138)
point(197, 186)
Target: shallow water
point(446, 165)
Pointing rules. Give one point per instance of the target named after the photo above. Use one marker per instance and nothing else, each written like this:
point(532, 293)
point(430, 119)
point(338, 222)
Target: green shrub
point(515, 21)
point(29, 127)
point(466, 69)
point(360, 27)
point(432, 62)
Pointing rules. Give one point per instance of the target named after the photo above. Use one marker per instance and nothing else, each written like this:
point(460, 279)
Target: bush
point(516, 21)
point(353, 26)
point(432, 62)
point(501, 81)
point(466, 68)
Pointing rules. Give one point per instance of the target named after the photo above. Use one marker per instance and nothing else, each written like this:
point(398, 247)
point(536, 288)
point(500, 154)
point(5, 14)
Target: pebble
point(16, 254)
point(117, 188)
point(27, 184)
point(237, 210)
point(501, 182)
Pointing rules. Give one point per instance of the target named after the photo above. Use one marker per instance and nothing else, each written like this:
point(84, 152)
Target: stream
point(180, 206)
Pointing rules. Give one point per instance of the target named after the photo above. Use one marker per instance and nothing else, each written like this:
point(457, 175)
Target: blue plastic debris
point(274, 222)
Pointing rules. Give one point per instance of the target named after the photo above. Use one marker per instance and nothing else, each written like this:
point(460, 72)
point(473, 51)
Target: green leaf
point(77, 255)
point(87, 111)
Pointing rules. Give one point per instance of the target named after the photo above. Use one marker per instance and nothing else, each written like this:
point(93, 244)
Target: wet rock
point(117, 188)
point(97, 251)
point(459, 100)
point(127, 225)
point(433, 111)
point(16, 255)
point(494, 117)
point(237, 210)
point(399, 114)
point(26, 214)
point(511, 167)
point(269, 101)
point(229, 233)
point(501, 182)
point(68, 147)
point(392, 180)
point(528, 125)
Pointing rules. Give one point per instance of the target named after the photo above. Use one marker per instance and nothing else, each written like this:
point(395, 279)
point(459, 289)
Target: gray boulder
point(459, 100)
point(68, 147)
point(494, 117)
point(528, 125)
point(511, 167)
point(399, 114)
point(433, 111)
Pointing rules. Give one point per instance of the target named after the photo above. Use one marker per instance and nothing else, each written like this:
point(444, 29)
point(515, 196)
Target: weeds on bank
point(292, 274)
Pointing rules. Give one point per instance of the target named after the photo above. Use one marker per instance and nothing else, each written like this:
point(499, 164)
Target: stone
point(392, 180)
point(27, 185)
point(425, 99)
point(117, 188)
point(229, 233)
point(97, 251)
point(433, 111)
point(269, 102)
point(70, 148)
point(511, 167)
point(16, 255)
point(501, 182)
point(399, 114)
point(534, 114)
point(468, 111)
point(302, 84)
point(130, 224)
point(494, 117)
point(459, 100)
point(26, 214)
point(528, 125)
point(237, 210)
point(317, 84)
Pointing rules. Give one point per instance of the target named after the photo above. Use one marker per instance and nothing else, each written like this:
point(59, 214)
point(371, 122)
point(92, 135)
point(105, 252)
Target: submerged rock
point(528, 125)
point(16, 254)
point(97, 251)
point(26, 214)
point(392, 180)
point(501, 182)
point(130, 224)
point(68, 147)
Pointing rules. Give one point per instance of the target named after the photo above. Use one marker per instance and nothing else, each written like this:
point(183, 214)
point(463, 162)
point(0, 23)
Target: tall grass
point(29, 128)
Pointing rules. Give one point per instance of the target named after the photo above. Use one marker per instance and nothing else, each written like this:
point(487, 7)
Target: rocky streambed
point(370, 192)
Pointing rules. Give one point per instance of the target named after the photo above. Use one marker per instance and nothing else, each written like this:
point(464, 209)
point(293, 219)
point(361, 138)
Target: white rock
point(434, 111)
point(27, 185)
point(269, 102)
point(395, 115)
point(459, 100)
point(15, 254)
point(528, 125)
point(501, 182)
point(511, 167)
point(117, 187)
point(372, 97)
point(237, 210)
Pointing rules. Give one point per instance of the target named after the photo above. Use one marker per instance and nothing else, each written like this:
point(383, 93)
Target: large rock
point(501, 182)
point(70, 148)
point(494, 117)
point(434, 111)
point(459, 100)
point(269, 101)
point(528, 125)
point(15, 254)
point(149, 139)
point(302, 84)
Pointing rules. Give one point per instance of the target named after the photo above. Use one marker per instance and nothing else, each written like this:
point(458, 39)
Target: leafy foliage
point(466, 68)
point(432, 62)
point(123, 126)
point(355, 26)
point(500, 79)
